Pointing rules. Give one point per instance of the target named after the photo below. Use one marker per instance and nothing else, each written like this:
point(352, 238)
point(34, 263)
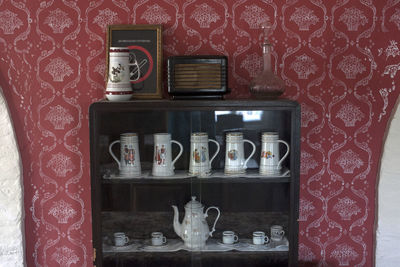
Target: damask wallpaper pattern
point(339, 59)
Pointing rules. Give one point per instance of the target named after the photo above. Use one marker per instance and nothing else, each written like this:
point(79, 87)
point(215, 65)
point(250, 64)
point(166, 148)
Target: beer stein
point(270, 161)
point(118, 83)
point(163, 165)
point(235, 161)
point(129, 165)
point(200, 164)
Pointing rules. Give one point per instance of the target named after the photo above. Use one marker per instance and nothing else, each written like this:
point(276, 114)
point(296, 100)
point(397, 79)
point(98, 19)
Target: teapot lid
point(193, 204)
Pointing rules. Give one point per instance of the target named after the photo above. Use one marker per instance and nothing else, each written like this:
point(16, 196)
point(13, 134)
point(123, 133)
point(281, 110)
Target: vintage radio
point(197, 76)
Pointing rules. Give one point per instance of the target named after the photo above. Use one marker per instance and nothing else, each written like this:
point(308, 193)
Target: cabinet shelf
point(252, 176)
point(212, 245)
point(210, 259)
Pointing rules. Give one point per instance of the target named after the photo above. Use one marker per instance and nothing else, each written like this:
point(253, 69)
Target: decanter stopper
point(266, 27)
point(266, 84)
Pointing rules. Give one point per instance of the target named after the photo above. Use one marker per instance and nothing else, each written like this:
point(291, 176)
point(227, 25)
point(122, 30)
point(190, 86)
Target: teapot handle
point(215, 222)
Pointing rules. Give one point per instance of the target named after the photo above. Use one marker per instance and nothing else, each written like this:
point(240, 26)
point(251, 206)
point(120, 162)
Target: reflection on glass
point(248, 115)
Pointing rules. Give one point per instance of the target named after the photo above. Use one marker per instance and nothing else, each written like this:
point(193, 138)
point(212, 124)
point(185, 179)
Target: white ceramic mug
point(120, 239)
point(270, 161)
point(118, 83)
point(200, 164)
point(229, 237)
point(163, 165)
point(259, 238)
point(129, 165)
point(235, 161)
point(277, 233)
point(158, 239)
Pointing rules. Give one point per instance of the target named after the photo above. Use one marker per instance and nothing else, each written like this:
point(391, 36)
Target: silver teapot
point(194, 229)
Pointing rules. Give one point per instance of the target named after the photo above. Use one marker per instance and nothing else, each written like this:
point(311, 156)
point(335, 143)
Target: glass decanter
point(266, 84)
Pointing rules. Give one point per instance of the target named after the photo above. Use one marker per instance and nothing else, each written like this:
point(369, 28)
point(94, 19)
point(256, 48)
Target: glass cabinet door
point(186, 212)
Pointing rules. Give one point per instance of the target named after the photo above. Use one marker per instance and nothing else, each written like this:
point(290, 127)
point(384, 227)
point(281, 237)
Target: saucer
point(229, 245)
point(148, 243)
point(282, 248)
point(259, 247)
point(171, 246)
point(127, 247)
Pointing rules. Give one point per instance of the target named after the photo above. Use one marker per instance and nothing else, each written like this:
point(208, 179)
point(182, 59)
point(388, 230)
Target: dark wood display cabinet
point(141, 205)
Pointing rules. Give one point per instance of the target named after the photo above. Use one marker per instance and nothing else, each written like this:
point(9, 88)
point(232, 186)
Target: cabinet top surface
point(177, 104)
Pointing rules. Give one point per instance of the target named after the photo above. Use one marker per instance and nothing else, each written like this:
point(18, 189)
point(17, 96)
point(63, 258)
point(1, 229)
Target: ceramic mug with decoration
point(163, 164)
point(129, 162)
point(235, 161)
point(270, 160)
point(200, 162)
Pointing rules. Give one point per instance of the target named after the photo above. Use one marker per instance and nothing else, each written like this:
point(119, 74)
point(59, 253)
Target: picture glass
point(142, 46)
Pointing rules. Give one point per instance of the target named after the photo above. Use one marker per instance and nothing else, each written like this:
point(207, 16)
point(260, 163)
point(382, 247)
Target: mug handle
point(126, 240)
point(251, 154)
point(286, 154)
point(216, 219)
point(112, 154)
point(235, 238)
point(164, 240)
point(179, 154)
point(266, 240)
point(216, 152)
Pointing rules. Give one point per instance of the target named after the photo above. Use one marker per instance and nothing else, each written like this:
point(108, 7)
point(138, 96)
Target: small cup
point(277, 233)
point(120, 239)
point(229, 237)
point(158, 239)
point(259, 238)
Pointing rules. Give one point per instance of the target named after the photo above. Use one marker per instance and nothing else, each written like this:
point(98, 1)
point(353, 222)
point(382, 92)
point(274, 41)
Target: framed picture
point(145, 56)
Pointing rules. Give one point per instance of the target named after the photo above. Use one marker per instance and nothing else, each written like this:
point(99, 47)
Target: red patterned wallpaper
point(339, 59)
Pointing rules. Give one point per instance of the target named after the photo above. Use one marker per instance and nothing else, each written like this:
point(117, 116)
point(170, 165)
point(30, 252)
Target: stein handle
point(216, 219)
point(216, 152)
point(179, 154)
point(251, 154)
point(286, 154)
point(112, 154)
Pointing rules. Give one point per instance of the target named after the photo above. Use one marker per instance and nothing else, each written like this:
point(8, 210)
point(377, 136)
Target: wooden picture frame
point(145, 56)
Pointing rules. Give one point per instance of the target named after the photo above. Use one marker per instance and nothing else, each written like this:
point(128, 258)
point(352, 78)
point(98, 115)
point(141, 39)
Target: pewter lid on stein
point(199, 137)
point(193, 204)
point(201, 134)
point(267, 136)
point(129, 134)
point(234, 136)
point(270, 133)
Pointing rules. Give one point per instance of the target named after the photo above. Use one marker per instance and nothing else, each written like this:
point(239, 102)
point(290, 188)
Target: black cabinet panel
point(141, 205)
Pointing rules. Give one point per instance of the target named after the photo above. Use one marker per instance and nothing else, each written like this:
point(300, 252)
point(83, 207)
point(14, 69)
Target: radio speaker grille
point(201, 75)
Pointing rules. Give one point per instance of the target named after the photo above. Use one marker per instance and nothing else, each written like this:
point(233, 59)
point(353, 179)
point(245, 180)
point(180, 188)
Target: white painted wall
point(12, 248)
point(388, 223)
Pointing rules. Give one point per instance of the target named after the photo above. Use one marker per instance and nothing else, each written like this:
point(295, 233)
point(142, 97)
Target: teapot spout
point(177, 225)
